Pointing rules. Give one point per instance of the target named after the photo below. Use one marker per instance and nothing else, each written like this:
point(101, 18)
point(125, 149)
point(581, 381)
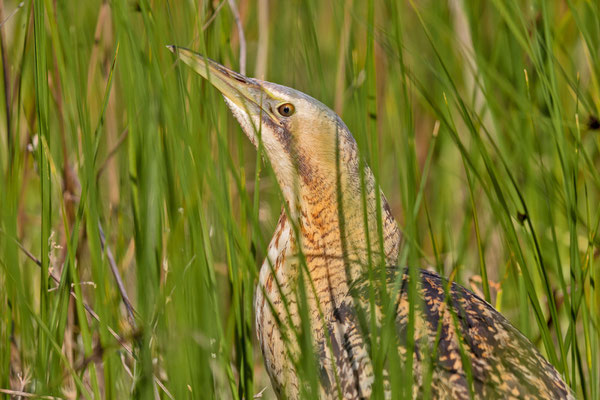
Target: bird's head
point(301, 136)
point(312, 152)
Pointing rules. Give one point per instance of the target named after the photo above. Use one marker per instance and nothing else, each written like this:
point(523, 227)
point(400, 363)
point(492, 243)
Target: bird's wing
point(462, 337)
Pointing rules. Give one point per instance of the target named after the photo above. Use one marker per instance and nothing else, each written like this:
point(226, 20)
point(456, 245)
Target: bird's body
point(329, 239)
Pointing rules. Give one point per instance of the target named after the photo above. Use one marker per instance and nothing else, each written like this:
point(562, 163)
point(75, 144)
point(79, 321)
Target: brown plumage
point(316, 162)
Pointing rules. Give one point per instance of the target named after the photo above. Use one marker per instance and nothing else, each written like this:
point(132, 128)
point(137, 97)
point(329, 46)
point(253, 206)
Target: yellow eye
point(286, 109)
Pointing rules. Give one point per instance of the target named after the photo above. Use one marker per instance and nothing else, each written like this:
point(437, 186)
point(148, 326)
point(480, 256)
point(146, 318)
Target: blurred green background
point(479, 119)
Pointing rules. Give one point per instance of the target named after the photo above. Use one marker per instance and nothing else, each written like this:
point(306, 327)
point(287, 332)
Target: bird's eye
point(286, 109)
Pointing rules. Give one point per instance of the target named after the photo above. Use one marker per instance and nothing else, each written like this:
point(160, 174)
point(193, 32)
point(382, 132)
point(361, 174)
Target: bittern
point(328, 231)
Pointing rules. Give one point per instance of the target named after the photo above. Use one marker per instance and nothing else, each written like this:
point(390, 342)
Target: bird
point(335, 229)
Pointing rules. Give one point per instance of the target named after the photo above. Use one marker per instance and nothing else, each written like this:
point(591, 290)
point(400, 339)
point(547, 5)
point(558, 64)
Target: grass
point(479, 120)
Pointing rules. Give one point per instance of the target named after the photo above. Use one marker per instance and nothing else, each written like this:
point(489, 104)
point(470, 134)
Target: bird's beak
point(246, 93)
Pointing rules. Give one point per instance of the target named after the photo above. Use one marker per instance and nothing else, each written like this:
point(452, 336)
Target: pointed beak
point(244, 92)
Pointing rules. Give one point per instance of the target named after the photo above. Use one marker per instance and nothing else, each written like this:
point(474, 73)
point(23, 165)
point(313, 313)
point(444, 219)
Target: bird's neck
point(335, 207)
point(332, 225)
